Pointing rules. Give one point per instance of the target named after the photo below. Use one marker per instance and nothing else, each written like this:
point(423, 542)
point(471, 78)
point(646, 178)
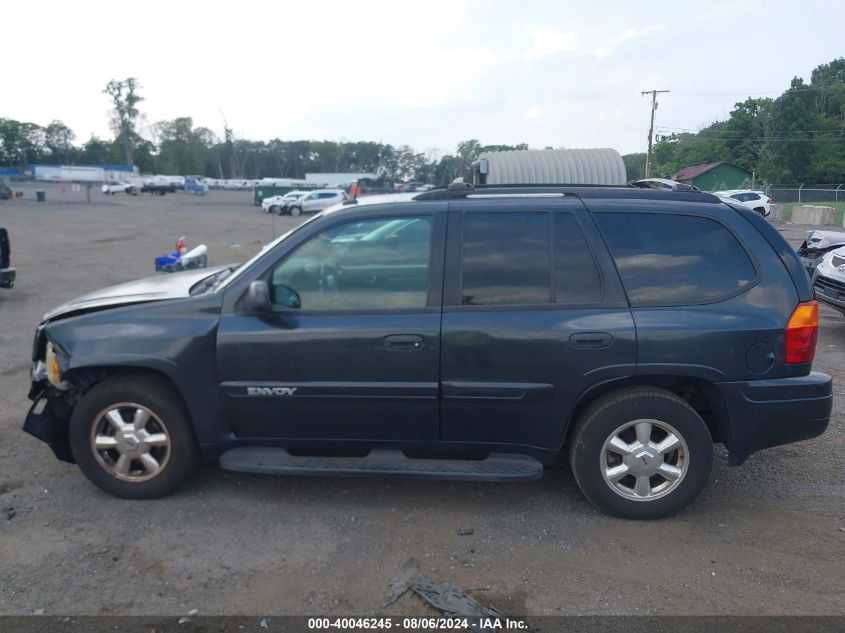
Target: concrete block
point(776, 212)
point(812, 215)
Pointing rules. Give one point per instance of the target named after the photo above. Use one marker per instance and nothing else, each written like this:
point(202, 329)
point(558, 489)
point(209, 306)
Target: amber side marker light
point(801, 332)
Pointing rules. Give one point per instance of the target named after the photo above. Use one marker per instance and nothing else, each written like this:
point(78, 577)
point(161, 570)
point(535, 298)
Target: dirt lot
point(766, 538)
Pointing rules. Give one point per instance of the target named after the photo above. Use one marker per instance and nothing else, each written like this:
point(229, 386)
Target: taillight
point(769, 200)
point(801, 332)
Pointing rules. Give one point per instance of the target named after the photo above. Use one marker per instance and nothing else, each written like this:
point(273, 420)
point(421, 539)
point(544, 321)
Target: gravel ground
point(765, 538)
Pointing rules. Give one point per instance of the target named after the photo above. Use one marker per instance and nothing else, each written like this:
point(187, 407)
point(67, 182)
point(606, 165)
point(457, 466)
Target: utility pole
point(653, 94)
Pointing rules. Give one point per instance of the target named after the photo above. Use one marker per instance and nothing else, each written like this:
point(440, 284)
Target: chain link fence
point(806, 193)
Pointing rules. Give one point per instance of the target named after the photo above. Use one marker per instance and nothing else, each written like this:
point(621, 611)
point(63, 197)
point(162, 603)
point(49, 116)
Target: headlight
point(824, 260)
point(54, 373)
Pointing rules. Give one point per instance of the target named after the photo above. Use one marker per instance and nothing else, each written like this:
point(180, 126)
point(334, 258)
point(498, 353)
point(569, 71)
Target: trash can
point(41, 195)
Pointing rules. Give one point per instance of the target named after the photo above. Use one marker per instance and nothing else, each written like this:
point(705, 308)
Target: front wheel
point(641, 453)
point(295, 211)
point(131, 437)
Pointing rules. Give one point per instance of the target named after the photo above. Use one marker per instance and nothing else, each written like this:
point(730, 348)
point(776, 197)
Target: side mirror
point(258, 297)
point(287, 296)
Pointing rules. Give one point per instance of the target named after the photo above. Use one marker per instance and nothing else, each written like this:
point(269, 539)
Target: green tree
point(58, 139)
point(183, 149)
point(21, 143)
point(634, 165)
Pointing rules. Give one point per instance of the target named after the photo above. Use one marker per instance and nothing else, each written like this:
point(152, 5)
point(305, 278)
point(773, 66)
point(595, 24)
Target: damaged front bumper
point(47, 420)
point(7, 277)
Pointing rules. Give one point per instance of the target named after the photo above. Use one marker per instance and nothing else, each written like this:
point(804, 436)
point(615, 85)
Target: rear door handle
point(591, 340)
point(403, 342)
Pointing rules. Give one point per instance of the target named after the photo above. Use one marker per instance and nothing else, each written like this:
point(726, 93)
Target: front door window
point(378, 264)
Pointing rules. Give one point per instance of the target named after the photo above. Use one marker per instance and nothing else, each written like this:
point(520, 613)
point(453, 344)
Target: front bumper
point(766, 413)
point(7, 277)
point(50, 424)
point(829, 290)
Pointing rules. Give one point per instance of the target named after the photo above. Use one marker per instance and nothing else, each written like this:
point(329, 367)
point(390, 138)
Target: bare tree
point(124, 117)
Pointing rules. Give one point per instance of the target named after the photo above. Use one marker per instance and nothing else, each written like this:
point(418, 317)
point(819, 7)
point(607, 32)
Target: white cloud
point(533, 113)
point(547, 41)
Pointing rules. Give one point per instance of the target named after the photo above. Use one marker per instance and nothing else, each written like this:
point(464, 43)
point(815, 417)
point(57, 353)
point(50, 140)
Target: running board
point(382, 463)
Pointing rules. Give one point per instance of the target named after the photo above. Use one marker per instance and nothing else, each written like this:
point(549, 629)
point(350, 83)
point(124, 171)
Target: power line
point(664, 128)
point(773, 139)
point(762, 92)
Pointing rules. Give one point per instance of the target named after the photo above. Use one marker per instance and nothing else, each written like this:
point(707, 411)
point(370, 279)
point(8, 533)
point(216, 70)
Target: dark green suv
point(463, 333)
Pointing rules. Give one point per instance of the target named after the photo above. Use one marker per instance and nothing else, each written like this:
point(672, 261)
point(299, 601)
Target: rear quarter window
point(666, 259)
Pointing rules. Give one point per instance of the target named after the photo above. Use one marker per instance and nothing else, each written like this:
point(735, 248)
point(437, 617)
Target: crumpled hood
point(824, 239)
point(156, 288)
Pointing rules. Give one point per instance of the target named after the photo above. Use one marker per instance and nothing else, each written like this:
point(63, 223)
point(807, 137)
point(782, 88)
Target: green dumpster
point(41, 195)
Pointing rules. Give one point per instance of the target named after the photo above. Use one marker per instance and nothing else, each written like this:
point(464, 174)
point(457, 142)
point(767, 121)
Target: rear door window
point(506, 259)
point(520, 258)
point(676, 259)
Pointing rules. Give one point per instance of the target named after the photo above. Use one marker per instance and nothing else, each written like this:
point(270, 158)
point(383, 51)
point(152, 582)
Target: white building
point(602, 166)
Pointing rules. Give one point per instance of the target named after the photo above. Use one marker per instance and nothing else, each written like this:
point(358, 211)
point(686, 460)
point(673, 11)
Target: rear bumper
point(7, 277)
point(766, 413)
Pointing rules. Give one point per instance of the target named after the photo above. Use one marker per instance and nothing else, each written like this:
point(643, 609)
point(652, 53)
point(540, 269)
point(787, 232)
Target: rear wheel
point(641, 453)
point(273, 209)
point(761, 211)
point(131, 437)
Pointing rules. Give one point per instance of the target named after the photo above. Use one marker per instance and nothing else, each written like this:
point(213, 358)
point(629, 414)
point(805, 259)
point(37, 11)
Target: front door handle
point(403, 342)
point(591, 340)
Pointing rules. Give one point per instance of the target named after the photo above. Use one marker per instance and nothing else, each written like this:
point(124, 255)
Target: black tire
point(295, 211)
point(599, 422)
point(273, 209)
point(761, 211)
point(160, 398)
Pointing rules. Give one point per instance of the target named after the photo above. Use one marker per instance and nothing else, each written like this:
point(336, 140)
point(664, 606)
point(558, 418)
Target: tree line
point(179, 147)
point(798, 137)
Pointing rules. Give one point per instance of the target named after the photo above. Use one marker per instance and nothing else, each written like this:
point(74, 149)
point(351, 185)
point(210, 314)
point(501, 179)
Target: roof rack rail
point(458, 191)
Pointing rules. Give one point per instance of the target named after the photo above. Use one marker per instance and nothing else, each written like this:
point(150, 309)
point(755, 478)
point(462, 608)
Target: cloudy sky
point(429, 74)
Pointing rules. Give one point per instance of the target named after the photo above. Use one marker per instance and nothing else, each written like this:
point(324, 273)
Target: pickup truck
point(7, 273)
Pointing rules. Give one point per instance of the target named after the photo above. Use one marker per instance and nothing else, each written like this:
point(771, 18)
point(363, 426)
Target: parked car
point(123, 186)
point(316, 201)
point(159, 185)
point(756, 200)
point(662, 183)
point(279, 204)
point(829, 279)
point(461, 333)
point(195, 186)
point(5, 192)
point(816, 245)
point(7, 273)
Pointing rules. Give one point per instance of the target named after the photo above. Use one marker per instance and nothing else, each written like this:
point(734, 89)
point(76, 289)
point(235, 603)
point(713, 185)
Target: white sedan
point(120, 187)
point(278, 204)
